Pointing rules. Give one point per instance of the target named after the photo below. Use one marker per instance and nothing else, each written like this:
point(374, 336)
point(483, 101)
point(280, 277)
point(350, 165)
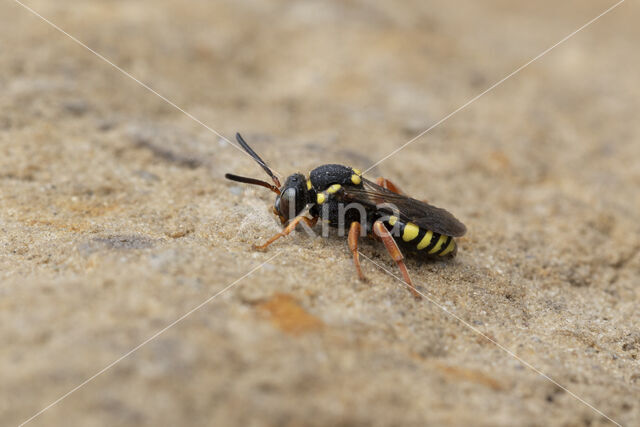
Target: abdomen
point(420, 241)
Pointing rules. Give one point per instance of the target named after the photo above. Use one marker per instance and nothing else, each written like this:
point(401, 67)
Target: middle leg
point(385, 183)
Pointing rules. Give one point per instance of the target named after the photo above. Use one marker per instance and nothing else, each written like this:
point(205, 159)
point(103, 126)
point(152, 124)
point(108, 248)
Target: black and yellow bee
point(340, 196)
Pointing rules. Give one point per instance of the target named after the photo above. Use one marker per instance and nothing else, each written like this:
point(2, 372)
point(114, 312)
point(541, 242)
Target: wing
point(420, 213)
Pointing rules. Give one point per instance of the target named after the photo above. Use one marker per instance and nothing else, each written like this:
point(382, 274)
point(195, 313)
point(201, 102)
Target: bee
point(342, 197)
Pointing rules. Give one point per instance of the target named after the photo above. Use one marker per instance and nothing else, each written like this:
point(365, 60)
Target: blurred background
point(116, 219)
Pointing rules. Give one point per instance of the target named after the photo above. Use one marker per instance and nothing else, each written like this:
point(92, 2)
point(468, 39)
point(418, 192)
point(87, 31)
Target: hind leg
point(385, 183)
point(392, 247)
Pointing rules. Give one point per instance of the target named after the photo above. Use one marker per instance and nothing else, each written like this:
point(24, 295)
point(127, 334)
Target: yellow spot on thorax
point(410, 232)
point(320, 199)
point(309, 184)
point(334, 188)
point(356, 179)
point(392, 220)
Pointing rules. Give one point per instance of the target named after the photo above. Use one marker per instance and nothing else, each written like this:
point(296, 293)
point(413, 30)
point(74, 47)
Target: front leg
point(288, 229)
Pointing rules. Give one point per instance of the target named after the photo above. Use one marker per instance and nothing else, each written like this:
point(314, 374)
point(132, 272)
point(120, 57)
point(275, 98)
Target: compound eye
point(287, 200)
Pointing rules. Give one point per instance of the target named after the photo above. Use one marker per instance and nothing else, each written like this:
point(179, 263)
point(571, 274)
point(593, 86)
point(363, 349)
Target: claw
point(259, 248)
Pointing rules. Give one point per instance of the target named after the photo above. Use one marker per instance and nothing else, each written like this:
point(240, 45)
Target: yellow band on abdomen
point(438, 245)
point(425, 240)
point(449, 248)
point(410, 232)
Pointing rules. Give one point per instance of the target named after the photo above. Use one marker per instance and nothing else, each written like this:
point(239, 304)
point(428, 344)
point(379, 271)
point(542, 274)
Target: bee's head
point(292, 199)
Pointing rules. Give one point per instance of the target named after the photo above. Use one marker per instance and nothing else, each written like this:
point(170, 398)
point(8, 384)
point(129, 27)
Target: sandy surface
point(116, 219)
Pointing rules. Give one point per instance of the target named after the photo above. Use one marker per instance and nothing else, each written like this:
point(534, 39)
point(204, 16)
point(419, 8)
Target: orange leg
point(288, 229)
point(396, 255)
point(354, 233)
point(385, 183)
